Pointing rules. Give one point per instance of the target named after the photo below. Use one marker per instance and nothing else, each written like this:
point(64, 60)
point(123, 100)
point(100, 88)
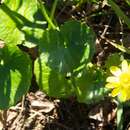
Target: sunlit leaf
point(20, 22)
point(62, 53)
point(110, 61)
point(90, 85)
point(15, 75)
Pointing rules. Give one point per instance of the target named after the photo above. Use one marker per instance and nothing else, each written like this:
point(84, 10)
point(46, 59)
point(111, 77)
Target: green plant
point(119, 12)
point(119, 82)
point(63, 67)
point(65, 52)
point(16, 73)
point(121, 102)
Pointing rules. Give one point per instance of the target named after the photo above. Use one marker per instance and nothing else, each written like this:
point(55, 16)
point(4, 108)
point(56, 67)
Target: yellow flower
point(120, 81)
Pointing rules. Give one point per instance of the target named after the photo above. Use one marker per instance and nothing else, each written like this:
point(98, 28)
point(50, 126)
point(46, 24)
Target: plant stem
point(120, 116)
point(42, 7)
point(53, 11)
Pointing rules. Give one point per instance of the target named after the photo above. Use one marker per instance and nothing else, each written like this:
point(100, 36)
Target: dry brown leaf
point(104, 112)
point(46, 106)
point(11, 115)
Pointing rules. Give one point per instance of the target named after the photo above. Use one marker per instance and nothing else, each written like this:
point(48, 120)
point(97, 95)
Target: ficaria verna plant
point(63, 66)
point(120, 81)
point(64, 52)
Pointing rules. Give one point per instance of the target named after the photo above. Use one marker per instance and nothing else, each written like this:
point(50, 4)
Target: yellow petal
point(112, 79)
point(109, 85)
point(112, 85)
point(124, 66)
point(123, 96)
point(115, 92)
point(115, 70)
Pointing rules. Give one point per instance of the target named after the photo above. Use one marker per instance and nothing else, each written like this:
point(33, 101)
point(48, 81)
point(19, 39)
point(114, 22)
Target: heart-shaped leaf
point(90, 85)
point(50, 81)
point(63, 52)
point(15, 75)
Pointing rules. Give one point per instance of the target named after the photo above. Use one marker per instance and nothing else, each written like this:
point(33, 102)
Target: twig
point(121, 27)
point(16, 122)
point(105, 29)
point(3, 118)
point(120, 47)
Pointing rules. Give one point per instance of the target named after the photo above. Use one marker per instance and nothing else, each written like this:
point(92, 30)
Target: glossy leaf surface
point(90, 85)
point(15, 75)
point(62, 53)
point(20, 22)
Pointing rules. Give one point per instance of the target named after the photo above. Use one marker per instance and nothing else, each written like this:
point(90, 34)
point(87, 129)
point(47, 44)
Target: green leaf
point(20, 22)
point(114, 59)
point(90, 85)
point(128, 2)
point(63, 52)
point(15, 75)
point(55, 84)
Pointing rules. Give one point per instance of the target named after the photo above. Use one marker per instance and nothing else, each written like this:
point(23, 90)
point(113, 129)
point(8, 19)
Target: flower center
point(125, 80)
